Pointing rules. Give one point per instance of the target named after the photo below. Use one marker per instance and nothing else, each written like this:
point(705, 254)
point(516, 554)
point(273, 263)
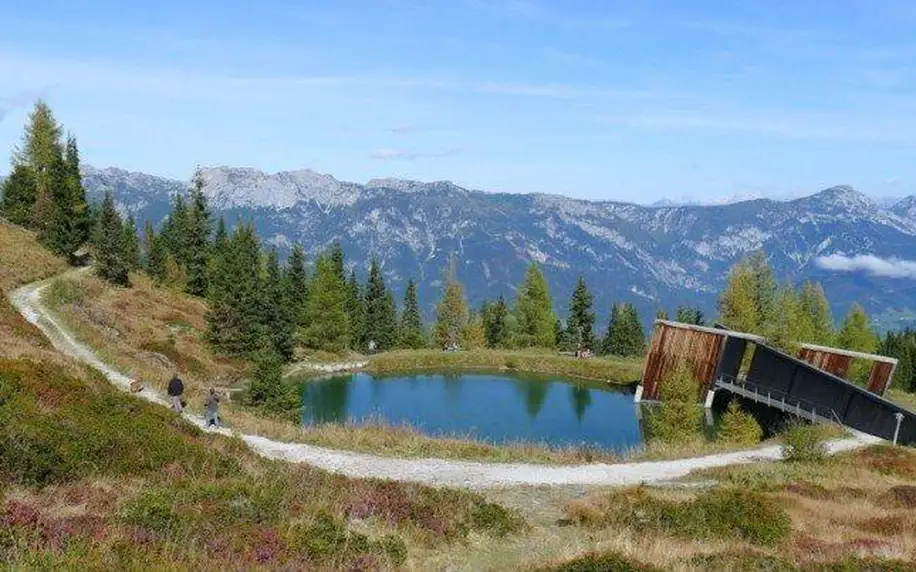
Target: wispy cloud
point(873, 265)
point(395, 154)
point(402, 128)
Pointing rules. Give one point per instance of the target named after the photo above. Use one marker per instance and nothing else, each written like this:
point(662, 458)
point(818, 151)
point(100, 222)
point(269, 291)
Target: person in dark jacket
point(176, 390)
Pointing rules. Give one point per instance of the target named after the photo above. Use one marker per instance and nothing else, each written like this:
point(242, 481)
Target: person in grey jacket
point(211, 408)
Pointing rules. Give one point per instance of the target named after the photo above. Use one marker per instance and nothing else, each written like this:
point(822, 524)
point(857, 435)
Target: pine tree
point(380, 323)
point(625, 336)
point(689, 315)
point(130, 248)
point(534, 309)
point(154, 251)
point(19, 195)
point(581, 320)
point(196, 240)
point(410, 330)
point(174, 230)
point(297, 281)
point(327, 325)
point(451, 312)
point(235, 322)
point(355, 309)
point(108, 245)
point(79, 208)
point(277, 317)
point(496, 327)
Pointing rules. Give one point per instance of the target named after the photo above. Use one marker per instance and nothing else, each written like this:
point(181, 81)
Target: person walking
point(211, 407)
point(175, 391)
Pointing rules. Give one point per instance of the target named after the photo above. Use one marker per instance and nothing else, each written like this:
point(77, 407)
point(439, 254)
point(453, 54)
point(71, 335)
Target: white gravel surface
point(466, 474)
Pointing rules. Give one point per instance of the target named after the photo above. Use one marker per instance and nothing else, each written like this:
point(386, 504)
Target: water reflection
point(492, 407)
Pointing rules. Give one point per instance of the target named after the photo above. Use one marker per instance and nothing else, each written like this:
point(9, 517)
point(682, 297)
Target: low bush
point(743, 560)
point(738, 427)
point(804, 444)
point(599, 562)
point(715, 514)
point(63, 292)
point(888, 460)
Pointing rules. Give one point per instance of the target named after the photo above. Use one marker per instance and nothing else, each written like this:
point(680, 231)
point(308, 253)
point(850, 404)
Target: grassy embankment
point(149, 332)
point(855, 511)
point(92, 478)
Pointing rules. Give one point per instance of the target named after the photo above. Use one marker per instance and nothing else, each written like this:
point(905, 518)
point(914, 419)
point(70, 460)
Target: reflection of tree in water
point(534, 392)
point(326, 401)
point(452, 383)
point(581, 398)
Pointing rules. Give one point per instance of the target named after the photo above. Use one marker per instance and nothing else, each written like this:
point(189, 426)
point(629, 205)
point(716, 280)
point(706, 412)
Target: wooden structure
point(837, 362)
point(703, 348)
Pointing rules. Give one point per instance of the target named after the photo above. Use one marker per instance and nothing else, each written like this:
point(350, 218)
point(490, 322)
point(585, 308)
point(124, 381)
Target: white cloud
point(394, 154)
point(876, 266)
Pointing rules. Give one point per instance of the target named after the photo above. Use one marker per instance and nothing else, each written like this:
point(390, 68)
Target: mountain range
point(655, 256)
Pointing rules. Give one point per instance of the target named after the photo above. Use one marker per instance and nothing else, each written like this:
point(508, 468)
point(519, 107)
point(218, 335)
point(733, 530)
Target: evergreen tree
point(267, 390)
point(451, 312)
point(129, 245)
point(661, 315)
point(337, 258)
point(19, 195)
point(581, 320)
point(355, 309)
point(689, 315)
point(534, 308)
point(196, 240)
point(155, 253)
point(625, 336)
point(277, 317)
point(79, 208)
point(785, 329)
point(380, 324)
point(235, 322)
point(765, 287)
point(108, 245)
point(495, 318)
point(297, 282)
point(900, 345)
point(327, 325)
point(174, 230)
point(410, 331)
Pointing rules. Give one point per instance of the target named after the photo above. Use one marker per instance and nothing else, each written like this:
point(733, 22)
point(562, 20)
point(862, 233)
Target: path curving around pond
point(436, 472)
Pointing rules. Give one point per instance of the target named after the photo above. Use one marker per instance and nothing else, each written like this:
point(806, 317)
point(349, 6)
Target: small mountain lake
point(497, 408)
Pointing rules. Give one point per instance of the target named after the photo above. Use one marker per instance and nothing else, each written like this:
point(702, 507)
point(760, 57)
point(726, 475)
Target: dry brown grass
point(23, 259)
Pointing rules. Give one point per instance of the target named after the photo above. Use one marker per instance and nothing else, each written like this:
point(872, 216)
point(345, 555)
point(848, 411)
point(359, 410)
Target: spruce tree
point(451, 312)
point(355, 309)
point(196, 240)
point(689, 315)
point(129, 245)
point(337, 258)
point(154, 253)
point(610, 344)
point(380, 320)
point(19, 195)
point(79, 208)
point(277, 317)
point(174, 230)
point(297, 281)
point(410, 331)
point(581, 320)
point(108, 245)
point(496, 328)
point(534, 308)
point(237, 298)
point(625, 336)
point(327, 325)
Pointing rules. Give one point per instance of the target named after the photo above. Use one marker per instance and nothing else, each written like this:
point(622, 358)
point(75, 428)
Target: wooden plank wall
point(671, 346)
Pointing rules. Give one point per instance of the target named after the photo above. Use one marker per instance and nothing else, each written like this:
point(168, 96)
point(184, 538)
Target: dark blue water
point(497, 408)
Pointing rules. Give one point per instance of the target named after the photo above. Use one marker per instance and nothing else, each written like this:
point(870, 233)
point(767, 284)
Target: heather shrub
point(599, 562)
point(804, 444)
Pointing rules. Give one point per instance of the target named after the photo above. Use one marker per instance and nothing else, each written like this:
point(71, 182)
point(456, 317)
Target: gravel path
point(443, 472)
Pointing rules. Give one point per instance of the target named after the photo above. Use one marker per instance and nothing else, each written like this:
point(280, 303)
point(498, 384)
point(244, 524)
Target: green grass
point(599, 562)
point(611, 370)
point(94, 478)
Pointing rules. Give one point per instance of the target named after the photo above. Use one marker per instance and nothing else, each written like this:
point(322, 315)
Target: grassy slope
point(93, 478)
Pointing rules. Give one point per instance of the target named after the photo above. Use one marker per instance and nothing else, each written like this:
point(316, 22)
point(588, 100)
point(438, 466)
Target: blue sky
point(628, 100)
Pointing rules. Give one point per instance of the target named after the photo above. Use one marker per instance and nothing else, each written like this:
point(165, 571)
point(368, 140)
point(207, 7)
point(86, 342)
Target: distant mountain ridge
point(656, 257)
